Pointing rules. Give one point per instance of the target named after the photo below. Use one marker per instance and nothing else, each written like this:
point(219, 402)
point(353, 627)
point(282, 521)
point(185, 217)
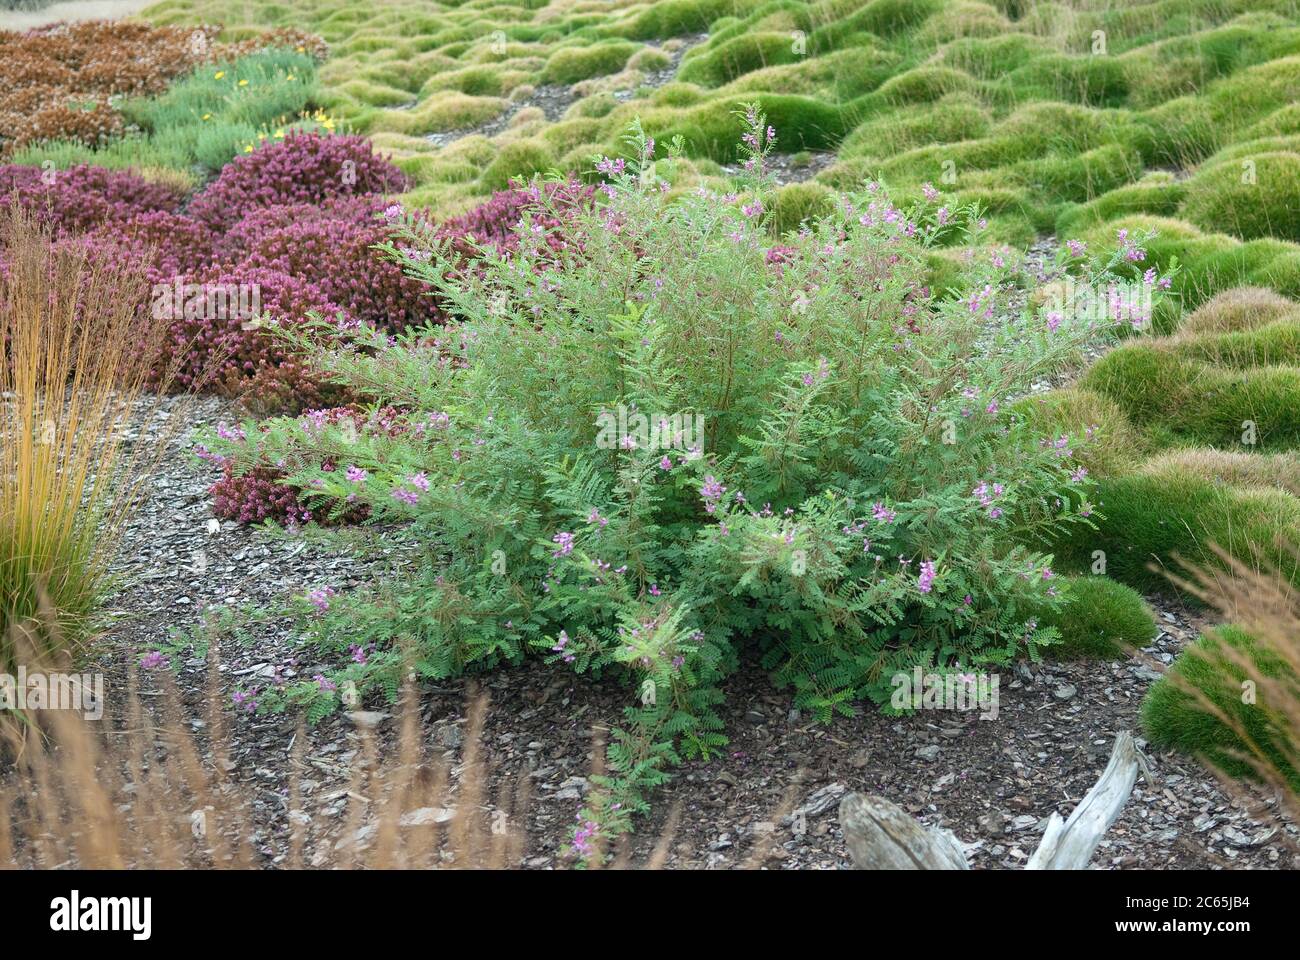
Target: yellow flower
point(218, 75)
point(279, 133)
point(290, 76)
point(207, 116)
point(327, 124)
point(243, 83)
point(302, 49)
point(248, 149)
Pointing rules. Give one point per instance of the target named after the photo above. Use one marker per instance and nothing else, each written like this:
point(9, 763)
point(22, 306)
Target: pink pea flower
point(153, 660)
point(320, 598)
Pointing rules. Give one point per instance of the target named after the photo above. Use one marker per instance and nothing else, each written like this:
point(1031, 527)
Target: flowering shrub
point(645, 448)
point(301, 168)
point(323, 257)
point(255, 496)
point(56, 80)
point(815, 459)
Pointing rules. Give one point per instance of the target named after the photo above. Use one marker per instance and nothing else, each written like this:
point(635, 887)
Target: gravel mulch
point(554, 99)
point(992, 782)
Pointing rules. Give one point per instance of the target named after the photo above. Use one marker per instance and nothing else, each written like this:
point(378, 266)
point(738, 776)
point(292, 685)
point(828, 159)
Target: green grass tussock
point(1172, 716)
point(1103, 621)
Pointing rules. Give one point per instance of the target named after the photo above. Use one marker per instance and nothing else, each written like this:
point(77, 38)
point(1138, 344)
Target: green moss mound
point(1106, 441)
point(1242, 308)
point(1103, 621)
point(738, 56)
point(571, 64)
point(797, 202)
point(1173, 717)
point(1258, 196)
point(1194, 402)
point(519, 160)
point(1151, 523)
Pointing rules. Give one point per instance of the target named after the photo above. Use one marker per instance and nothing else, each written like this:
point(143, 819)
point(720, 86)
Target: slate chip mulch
point(992, 782)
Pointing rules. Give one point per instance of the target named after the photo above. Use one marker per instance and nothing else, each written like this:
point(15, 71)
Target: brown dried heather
point(56, 81)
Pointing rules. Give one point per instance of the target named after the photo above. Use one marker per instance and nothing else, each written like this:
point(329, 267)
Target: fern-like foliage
point(642, 449)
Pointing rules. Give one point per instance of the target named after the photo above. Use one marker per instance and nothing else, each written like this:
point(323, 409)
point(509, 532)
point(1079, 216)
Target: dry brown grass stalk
point(77, 357)
point(141, 790)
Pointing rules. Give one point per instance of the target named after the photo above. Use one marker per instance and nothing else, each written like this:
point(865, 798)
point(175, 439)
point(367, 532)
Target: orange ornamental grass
point(77, 355)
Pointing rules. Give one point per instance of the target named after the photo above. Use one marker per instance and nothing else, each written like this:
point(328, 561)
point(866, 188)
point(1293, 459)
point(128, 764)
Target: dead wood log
point(880, 836)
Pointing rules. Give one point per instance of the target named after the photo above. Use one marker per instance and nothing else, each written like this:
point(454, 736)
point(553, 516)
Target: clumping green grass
point(1115, 444)
point(204, 119)
point(1278, 471)
point(798, 202)
point(1256, 196)
point(1193, 441)
point(1193, 402)
point(1154, 522)
point(1277, 343)
point(1105, 620)
point(521, 160)
point(1241, 308)
point(1006, 103)
point(1172, 717)
point(1212, 263)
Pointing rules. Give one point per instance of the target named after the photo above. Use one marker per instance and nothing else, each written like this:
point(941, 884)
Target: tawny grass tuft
point(76, 356)
point(1266, 606)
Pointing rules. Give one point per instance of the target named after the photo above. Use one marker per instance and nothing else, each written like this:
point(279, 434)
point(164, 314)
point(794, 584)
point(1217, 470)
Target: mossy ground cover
point(1195, 438)
point(1050, 114)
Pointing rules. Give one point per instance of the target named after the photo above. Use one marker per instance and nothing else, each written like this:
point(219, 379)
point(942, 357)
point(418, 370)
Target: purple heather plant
point(82, 197)
point(305, 167)
point(337, 257)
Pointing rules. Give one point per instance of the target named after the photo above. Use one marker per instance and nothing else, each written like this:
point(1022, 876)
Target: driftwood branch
point(880, 836)
point(1069, 844)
